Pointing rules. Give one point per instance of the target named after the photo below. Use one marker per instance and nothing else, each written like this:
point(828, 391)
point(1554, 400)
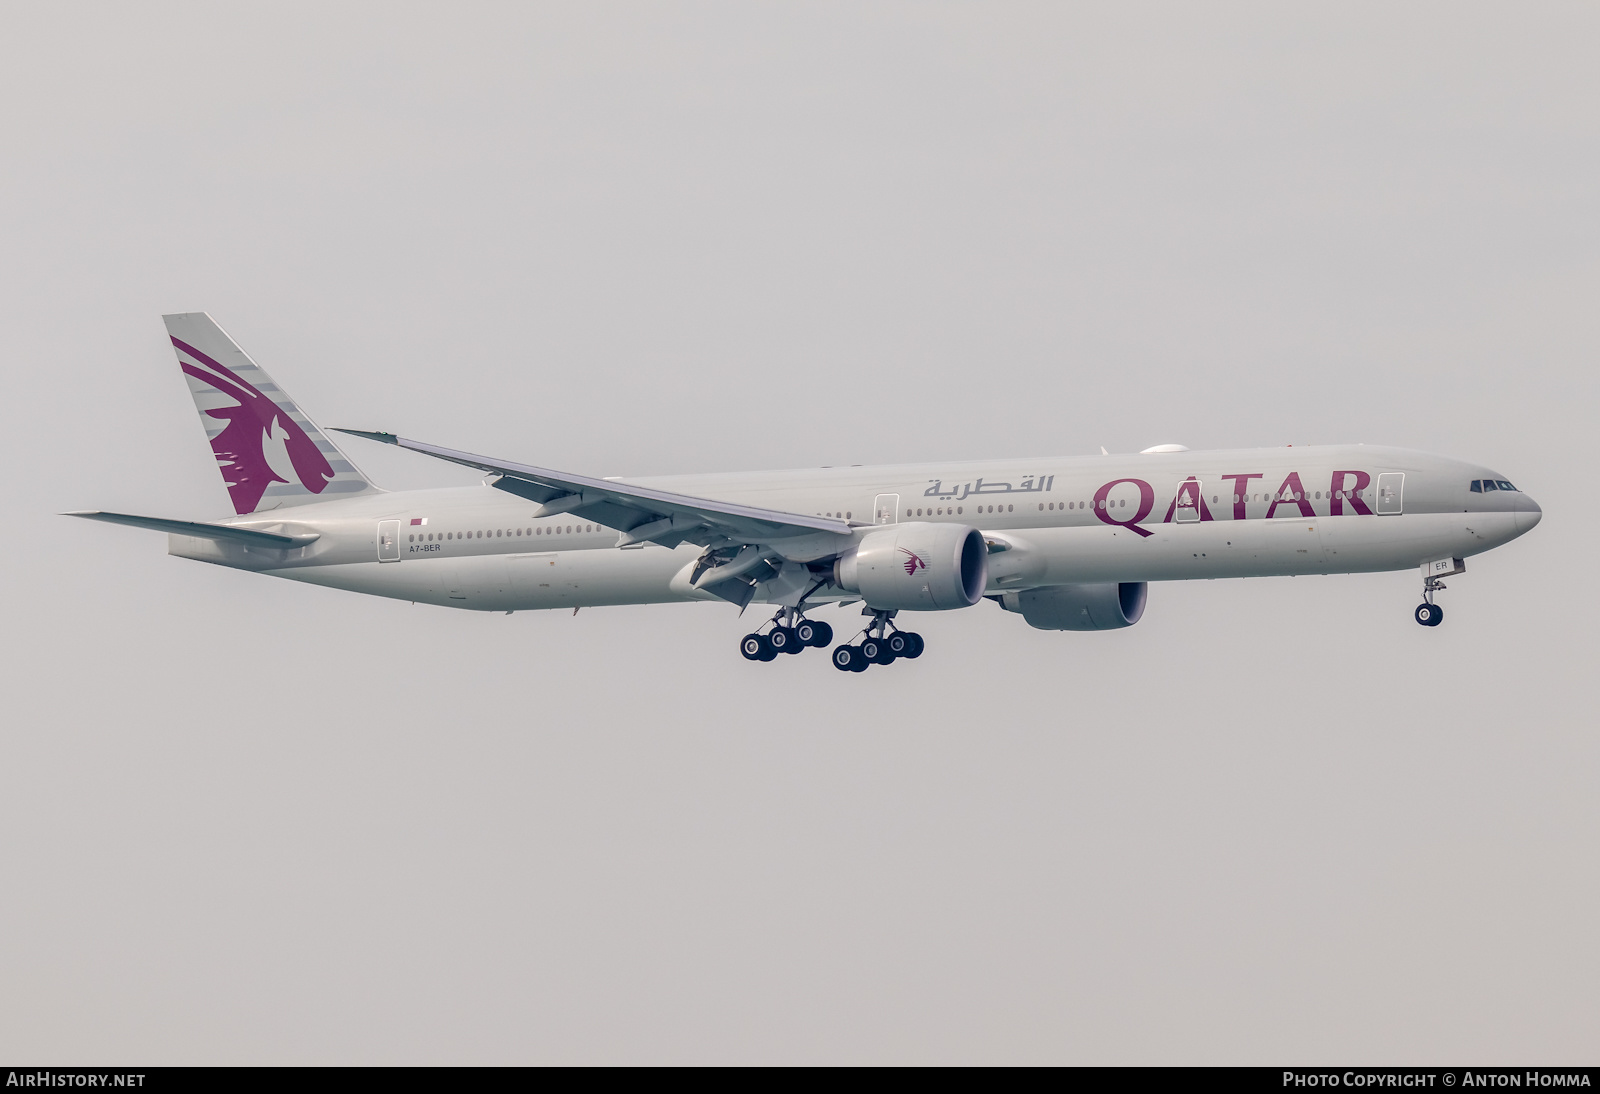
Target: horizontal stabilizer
point(197, 528)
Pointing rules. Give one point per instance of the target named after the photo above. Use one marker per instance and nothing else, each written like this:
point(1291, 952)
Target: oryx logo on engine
point(913, 562)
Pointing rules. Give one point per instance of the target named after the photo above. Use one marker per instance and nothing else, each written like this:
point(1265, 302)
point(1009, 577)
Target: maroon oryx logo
point(913, 562)
point(255, 418)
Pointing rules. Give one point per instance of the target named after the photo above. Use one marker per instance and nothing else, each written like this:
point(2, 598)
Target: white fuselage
point(1052, 521)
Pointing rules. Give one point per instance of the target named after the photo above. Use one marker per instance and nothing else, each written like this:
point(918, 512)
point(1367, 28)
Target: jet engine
point(1098, 607)
point(918, 566)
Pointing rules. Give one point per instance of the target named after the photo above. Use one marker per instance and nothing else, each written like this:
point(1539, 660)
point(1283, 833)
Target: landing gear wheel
point(821, 634)
point(897, 643)
point(913, 645)
point(756, 647)
point(876, 651)
point(806, 632)
point(784, 640)
point(845, 659)
point(1429, 615)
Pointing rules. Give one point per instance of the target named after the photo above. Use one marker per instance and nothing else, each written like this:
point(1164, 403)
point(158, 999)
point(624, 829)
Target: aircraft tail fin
point(269, 452)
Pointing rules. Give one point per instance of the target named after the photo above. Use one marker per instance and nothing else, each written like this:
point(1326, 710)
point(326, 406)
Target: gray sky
point(248, 821)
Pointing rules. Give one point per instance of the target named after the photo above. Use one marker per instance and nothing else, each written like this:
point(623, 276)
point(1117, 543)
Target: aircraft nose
point(1528, 513)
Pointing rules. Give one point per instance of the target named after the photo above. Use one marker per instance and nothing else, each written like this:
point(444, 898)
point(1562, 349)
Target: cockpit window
point(1504, 485)
point(1477, 486)
point(1488, 484)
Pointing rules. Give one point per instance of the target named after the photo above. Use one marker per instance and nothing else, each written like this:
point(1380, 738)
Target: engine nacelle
point(1099, 607)
point(918, 566)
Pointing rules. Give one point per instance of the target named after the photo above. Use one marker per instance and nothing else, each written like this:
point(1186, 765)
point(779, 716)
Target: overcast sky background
point(247, 821)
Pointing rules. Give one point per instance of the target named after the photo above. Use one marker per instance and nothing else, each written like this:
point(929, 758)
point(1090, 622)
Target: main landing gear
point(791, 632)
point(881, 644)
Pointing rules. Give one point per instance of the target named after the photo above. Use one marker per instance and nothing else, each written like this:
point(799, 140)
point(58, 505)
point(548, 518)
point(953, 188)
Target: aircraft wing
point(640, 513)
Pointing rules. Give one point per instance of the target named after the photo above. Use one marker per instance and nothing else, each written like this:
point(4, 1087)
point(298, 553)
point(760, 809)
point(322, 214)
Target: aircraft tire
point(755, 647)
point(1429, 615)
point(783, 640)
point(877, 652)
point(822, 635)
point(913, 645)
point(845, 657)
point(897, 643)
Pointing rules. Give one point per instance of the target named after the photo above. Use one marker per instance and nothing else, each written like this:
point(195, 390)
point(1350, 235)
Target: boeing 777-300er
point(1068, 543)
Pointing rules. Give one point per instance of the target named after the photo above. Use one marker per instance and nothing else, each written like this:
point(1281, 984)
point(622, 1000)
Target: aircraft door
point(886, 510)
point(1391, 494)
point(388, 541)
point(1186, 508)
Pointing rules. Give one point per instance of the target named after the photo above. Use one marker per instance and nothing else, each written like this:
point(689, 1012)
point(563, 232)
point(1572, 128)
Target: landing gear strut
point(881, 644)
point(1428, 613)
point(791, 632)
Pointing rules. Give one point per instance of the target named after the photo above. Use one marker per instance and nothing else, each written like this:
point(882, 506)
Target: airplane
point(1067, 543)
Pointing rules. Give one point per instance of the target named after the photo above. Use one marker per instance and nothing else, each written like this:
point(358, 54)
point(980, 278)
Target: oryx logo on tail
point(254, 423)
point(270, 454)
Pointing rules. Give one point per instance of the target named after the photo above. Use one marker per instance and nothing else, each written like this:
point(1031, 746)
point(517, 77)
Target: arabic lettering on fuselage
point(1030, 484)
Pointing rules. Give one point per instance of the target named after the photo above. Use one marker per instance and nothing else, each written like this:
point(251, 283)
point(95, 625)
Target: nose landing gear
point(881, 644)
point(791, 632)
point(1428, 613)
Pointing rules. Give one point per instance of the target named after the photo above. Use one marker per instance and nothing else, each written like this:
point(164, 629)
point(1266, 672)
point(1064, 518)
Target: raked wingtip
point(386, 438)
